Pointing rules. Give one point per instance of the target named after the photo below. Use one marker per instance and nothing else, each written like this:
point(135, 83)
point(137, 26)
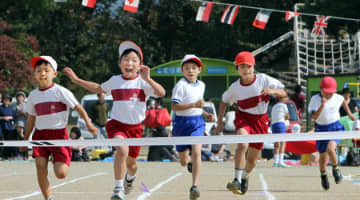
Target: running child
point(324, 110)
point(130, 91)
point(251, 93)
point(187, 102)
point(279, 113)
point(48, 111)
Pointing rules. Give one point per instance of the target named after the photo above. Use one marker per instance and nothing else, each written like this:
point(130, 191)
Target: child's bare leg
point(322, 161)
point(42, 176)
point(252, 157)
point(240, 151)
point(61, 170)
point(196, 162)
point(121, 155)
point(131, 166)
point(331, 150)
point(184, 158)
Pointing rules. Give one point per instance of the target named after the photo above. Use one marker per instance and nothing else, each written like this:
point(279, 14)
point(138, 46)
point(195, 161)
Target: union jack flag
point(320, 24)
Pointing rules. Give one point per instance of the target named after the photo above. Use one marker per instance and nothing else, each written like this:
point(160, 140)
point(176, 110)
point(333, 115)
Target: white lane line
point(158, 186)
point(265, 187)
point(57, 186)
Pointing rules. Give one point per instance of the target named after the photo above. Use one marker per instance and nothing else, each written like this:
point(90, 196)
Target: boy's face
point(72, 135)
point(6, 101)
point(191, 71)
point(130, 65)
point(45, 74)
point(20, 98)
point(327, 95)
point(246, 71)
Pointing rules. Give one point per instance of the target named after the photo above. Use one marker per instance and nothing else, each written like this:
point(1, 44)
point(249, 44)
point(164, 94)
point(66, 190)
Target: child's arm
point(316, 114)
point(88, 85)
point(30, 123)
point(276, 92)
point(180, 107)
point(210, 117)
point(220, 125)
point(86, 118)
point(145, 75)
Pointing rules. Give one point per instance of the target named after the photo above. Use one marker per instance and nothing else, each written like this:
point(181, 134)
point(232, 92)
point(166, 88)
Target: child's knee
point(43, 171)
point(61, 174)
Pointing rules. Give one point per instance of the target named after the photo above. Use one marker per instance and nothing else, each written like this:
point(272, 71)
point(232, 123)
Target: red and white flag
point(261, 19)
point(289, 15)
point(229, 14)
point(89, 3)
point(204, 11)
point(320, 24)
point(131, 5)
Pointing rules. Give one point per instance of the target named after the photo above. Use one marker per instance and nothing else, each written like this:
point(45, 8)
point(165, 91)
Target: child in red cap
point(324, 110)
point(251, 93)
point(130, 91)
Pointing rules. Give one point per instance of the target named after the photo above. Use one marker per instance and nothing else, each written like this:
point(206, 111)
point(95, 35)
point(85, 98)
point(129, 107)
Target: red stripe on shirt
point(252, 101)
point(128, 94)
point(47, 108)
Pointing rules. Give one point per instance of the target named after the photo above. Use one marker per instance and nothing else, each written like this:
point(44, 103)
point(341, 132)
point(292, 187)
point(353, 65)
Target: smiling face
point(191, 71)
point(45, 74)
point(129, 64)
point(246, 72)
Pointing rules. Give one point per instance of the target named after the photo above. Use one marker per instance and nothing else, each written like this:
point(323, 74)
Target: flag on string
point(204, 11)
point(289, 15)
point(320, 24)
point(89, 3)
point(229, 14)
point(261, 19)
point(131, 5)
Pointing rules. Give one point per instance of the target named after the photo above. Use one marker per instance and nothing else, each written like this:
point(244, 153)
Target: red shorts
point(254, 124)
point(114, 128)
point(60, 154)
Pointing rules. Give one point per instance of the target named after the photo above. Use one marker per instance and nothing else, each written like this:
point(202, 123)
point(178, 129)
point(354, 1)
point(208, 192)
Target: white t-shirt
point(278, 112)
point(330, 113)
point(186, 92)
point(248, 97)
point(129, 97)
point(50, 107)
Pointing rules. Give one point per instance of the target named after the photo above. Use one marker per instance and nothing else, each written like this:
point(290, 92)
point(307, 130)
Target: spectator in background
point(346, 93)
point(99, 115)
point(20, 130)
point(7, 116)
point(20, 108)
point(299, 100)
point(79, 153)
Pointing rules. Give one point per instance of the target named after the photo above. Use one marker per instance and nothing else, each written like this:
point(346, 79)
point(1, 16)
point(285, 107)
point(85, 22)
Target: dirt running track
point(169, 181)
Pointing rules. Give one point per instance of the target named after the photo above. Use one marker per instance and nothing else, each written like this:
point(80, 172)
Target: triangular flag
point(204, 11)
point(289, 15)
point(131, 5)
point(89, 3)
point(320, 24)
point(229, 14)
point(261, 19)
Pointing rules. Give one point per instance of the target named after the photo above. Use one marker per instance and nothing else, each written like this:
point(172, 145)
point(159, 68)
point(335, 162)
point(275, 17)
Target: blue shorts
point(187, 126)
point(321, 145)
point(278, 127)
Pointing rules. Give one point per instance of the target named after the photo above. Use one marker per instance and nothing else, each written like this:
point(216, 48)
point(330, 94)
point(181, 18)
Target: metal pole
point(297, 46)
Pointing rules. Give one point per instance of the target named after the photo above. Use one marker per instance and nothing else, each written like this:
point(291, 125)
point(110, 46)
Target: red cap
point(245, 57)
point(191, 57)
point(328, 84)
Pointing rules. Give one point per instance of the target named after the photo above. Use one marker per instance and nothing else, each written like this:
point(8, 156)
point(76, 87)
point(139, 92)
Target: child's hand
point(209, 117)
point(219, 128)
point(323, 100)
point(199, 104)
point(267, 91)
point(92, 129)
point(145, 72)
point(23, 149)
point(70, 73)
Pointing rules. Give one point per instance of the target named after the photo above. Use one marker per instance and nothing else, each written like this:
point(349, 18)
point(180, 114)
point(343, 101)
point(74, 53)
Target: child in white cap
point(130, 91)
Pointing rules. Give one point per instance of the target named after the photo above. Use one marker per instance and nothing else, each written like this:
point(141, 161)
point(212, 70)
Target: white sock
point(238, 173)
point(276, 158)
point(119, 183)
point(245, 174)
point(130, 178)
point(281, 158)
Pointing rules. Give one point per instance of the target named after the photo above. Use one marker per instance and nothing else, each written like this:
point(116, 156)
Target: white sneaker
point(118, 196)
point(129, 185)
point(283, 165)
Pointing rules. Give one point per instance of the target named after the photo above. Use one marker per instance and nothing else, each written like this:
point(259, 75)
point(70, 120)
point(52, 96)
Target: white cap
point(49, 59)
point(191, 57)
point(125, 45)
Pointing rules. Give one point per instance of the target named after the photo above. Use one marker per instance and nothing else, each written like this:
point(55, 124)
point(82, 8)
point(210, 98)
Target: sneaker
point(275, 164)
point(337, 175)
point(128, 185)
point(244, 185)
point(118, 196)
point(283, 165)
point(234, 186)
point(194, 193)
point(189, 167)
point(325, 182)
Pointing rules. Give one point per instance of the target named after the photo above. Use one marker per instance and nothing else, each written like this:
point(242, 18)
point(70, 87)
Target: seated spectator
point(79, 153)
point(20, 107)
